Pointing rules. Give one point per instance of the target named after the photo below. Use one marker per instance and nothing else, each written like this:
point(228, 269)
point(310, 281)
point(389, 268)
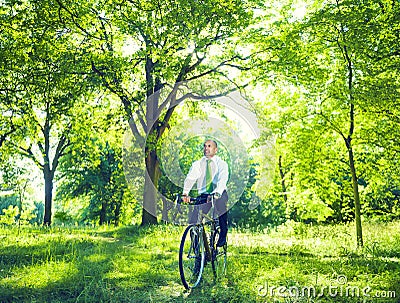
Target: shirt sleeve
point(223, 176)
point(191, 177)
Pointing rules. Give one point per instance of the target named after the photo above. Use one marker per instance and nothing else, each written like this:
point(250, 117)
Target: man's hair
point(215, 142)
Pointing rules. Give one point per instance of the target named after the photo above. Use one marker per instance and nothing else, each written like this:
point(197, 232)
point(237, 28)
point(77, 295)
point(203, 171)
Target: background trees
point(331, 58)
point(75, 75)
point(92, 186)
point(43, 83)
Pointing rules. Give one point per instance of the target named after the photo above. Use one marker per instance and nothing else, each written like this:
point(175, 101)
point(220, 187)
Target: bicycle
point(198, 247)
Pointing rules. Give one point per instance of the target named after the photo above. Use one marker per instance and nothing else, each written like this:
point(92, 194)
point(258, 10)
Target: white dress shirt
point(197, 173)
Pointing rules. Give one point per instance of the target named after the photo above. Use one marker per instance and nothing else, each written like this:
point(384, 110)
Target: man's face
point(210, 149)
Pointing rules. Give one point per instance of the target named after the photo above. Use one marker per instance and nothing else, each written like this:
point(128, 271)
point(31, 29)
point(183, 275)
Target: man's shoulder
point(197, 162)
point(220, 160)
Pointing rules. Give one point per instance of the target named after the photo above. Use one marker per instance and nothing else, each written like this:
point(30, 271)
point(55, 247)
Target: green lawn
point(293, 263)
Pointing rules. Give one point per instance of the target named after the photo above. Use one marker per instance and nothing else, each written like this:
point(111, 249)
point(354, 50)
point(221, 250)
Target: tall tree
point(331, 56)
point(46, 86)
point(140, 48)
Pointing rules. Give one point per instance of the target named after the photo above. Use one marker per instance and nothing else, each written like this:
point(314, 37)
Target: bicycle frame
point(209, 251)
point(212, 222)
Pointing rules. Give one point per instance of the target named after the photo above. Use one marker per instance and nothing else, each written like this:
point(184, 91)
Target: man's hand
point(186, 199)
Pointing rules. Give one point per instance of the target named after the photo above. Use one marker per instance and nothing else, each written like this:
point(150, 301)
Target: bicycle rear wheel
point(219, 258)
point(191, 256)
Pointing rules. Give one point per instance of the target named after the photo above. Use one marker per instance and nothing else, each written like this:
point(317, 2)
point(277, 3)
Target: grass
point(292, 263)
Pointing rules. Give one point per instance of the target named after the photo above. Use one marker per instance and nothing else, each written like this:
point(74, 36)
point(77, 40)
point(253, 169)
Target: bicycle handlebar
point(197, 199)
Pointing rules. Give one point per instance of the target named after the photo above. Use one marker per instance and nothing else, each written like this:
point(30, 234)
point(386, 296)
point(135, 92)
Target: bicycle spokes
point(191, 257)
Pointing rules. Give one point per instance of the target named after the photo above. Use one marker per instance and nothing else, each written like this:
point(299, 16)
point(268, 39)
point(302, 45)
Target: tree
point(101, 180)
point(302, 184)
point(44, 84)
point(170, 43)
point(93, 171)
point(331, 56)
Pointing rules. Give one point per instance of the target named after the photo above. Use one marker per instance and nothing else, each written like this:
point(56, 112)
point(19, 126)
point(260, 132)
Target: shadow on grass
point(133, 264)
point(82, 266)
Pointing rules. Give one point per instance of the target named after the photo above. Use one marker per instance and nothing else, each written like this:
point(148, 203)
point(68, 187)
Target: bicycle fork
point(206, 246)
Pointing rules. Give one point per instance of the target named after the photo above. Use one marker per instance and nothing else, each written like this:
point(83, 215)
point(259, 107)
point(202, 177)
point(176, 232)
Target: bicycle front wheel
point(191, 256)
point(219, 258)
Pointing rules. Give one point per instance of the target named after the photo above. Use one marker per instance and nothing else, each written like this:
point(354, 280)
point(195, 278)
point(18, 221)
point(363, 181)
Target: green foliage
point(269, 212)
point(9, 215)
point(43, 77)
point(323, 99)
point(12, 212)
point(340, 61)
point(8, 200)
point(101, 181)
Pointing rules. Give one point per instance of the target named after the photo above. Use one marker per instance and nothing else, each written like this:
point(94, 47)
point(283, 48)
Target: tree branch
point(62, 144)
point(27, 152)
point(135, 132)
point(141, 120)
point(335, 127)
point(73, 18)
point(3, 137)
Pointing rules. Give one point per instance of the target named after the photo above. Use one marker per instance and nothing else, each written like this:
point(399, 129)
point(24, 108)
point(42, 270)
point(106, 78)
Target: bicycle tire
point(220, 255)
point(191, 257)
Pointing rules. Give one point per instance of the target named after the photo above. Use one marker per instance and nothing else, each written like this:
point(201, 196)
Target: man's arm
point(191, 177)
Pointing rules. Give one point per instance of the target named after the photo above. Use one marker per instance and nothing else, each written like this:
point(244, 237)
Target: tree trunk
point(103, 213)
point(117, 214)
point(165, 209)
point(48, 194)
point(117, 209)
point(348, 140)
point(356, 194)
point(282, 174)
point(291, 212)
point(149, 213)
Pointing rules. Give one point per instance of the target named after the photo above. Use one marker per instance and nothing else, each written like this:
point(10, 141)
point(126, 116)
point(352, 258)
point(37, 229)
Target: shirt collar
point(213, 159)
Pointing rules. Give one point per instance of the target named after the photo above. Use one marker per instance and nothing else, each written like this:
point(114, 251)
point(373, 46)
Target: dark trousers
point(220, 211)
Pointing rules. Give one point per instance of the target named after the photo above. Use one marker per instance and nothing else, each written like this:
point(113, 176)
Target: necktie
point(209, 185)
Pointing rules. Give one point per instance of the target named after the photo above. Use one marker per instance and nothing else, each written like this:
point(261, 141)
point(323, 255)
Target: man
point(211, 175)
